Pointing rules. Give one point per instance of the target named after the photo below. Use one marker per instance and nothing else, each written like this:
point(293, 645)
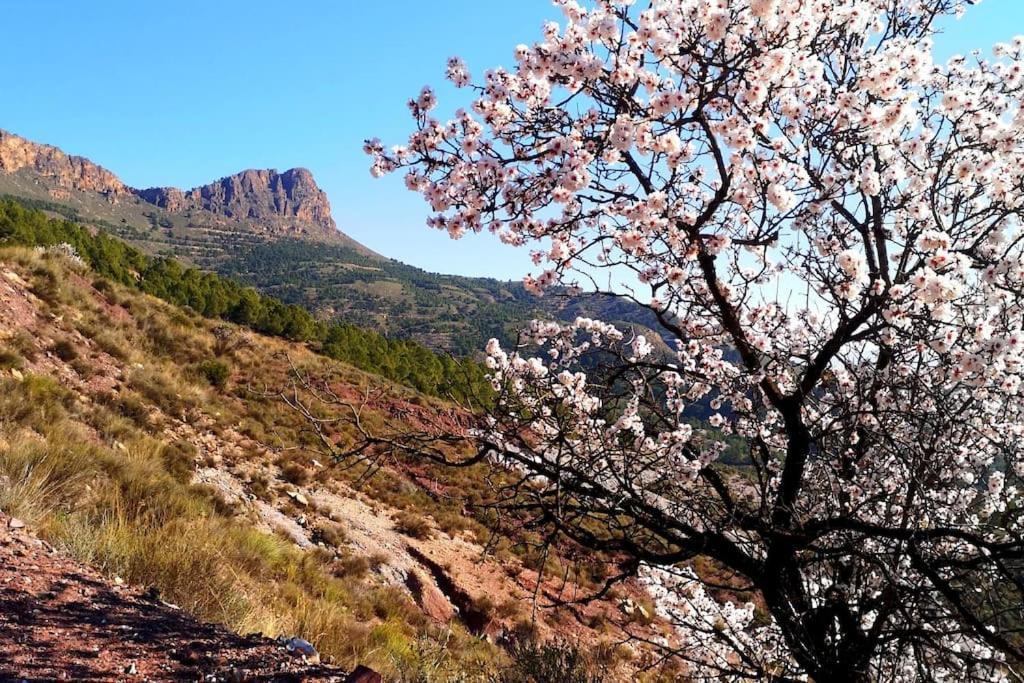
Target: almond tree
point(826, 225)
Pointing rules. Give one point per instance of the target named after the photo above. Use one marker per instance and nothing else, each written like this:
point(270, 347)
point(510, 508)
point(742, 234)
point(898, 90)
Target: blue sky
point(181, 93)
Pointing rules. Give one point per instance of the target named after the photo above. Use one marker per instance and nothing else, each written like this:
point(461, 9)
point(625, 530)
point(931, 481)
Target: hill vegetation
point(149, 441)
point(213, 296)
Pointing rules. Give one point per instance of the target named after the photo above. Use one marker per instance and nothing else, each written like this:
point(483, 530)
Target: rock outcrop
point(272, 203)
point(61, 170)
point(256, 195)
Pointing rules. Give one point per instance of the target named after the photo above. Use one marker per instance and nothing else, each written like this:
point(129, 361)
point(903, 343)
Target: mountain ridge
point(254, 193)
point(273, 231)
point(288, 203)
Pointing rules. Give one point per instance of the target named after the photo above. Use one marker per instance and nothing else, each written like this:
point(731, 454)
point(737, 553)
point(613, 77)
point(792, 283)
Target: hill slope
point(274, 232)
point(119, 632)
point(150, 443)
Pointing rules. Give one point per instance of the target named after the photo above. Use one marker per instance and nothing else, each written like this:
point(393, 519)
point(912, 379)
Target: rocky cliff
point(255, 195)
point(59, 169)
point(268, 202)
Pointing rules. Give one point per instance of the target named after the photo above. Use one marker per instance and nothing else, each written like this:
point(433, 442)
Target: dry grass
point(125, 511)
point(100, 479)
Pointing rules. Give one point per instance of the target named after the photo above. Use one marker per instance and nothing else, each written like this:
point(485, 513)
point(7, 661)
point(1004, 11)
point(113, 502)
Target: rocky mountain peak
point(291, 199)
point(286, 204)
point(61, 170)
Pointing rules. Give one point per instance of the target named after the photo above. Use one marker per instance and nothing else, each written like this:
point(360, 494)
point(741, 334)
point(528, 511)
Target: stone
point(15, 523)
point(362, 674)
point(302, 648)
point(17, 374)
point(298, 498)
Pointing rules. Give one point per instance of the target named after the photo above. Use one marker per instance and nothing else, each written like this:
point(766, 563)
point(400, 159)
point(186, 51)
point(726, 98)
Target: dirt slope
point(60, 620)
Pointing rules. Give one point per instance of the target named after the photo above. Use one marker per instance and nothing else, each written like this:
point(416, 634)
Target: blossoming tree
point(826, 225)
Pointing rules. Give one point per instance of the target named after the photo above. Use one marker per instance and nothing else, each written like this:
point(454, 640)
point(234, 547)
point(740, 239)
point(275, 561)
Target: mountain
point(65, 173)
point(274, 231)
point(250, 205)
point(263, 197)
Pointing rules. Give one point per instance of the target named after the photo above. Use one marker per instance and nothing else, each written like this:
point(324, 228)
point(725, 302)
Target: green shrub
point(215, 372)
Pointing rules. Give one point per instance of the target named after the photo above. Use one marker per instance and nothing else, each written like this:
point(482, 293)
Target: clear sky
point(182, 93)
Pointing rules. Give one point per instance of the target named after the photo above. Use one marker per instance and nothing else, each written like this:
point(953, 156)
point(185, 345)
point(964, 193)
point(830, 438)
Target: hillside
point(274, 231)
point(120, 632)
point(150, 443)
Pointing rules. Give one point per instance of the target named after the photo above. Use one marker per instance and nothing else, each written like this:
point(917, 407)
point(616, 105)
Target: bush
point(111, 345)
point(25, 344)
point(351, 566)
point(215, 372)
point(330, 534)
point(130, 405)
point(295, 473)
point(555, 660)
point(83, 368)
point(259, 486)
point(412, 524)
point(10, 359)
point(46, 285)
point(64, 350)
point(178, 458)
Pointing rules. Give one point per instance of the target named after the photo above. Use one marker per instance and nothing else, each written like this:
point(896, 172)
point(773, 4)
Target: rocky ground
point(60, 620)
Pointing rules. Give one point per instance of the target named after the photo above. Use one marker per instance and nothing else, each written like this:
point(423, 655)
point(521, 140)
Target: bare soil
point(60, 620)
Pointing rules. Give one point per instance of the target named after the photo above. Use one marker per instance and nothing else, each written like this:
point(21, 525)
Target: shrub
point(111, 345)
point(9, 358)
point(25, 344)
point(178, 458)
point(215, 372)
point(259, 486)
point(351, 566)
point(330, 534)
point(295, 473)
point(83, 368)
point(46, 285)
point(64, 350)
point(412, 524)
point(554, 660)
point(129, 404)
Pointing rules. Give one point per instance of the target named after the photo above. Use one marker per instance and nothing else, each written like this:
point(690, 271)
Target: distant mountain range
point(275, 232)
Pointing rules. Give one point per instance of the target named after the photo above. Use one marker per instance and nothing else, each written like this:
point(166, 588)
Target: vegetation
point(126, 510)
point(122, 496)
point(98, 476)
point(213, 296)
